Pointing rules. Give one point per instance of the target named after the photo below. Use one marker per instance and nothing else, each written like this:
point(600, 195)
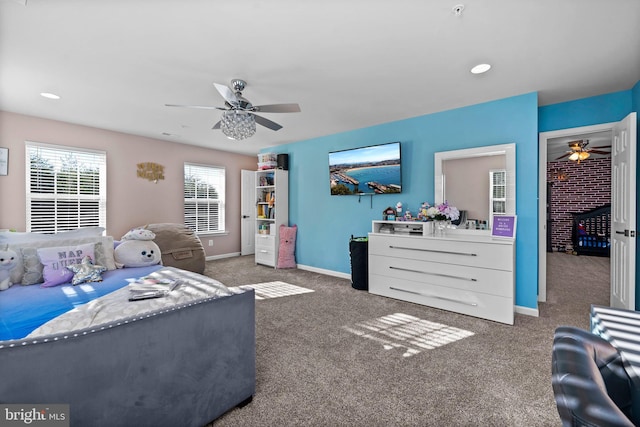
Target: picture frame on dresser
point(504, 226)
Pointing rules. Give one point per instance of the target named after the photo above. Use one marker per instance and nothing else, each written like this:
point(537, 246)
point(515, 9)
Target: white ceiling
point(348, 63)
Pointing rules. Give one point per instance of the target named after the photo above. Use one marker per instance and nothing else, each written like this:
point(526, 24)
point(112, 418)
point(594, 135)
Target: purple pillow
point(287, 248)
point(54, 261)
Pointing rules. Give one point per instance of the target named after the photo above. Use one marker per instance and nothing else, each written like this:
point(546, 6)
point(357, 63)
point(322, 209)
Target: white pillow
point(56, 259)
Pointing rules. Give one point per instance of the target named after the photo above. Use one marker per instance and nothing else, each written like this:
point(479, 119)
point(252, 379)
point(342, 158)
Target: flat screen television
point(375, 169)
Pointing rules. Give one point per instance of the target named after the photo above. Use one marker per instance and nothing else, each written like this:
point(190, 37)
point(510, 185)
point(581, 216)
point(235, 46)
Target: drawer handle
point(263, 251)
point(472, 304)
point(434, 274)
point(433, 250)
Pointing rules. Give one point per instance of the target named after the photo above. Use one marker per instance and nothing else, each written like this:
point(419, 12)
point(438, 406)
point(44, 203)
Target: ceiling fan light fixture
point(238, 125)
point(578, 156)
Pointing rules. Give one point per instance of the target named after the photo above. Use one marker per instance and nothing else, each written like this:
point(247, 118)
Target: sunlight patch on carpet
point(407, 333)
point(275, 290)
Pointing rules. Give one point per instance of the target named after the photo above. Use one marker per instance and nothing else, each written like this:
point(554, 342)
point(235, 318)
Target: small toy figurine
point(423, 211)
point(399, 209)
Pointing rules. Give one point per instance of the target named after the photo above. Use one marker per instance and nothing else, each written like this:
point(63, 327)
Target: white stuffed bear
point(137, 253)
point(8, 260)
point(137, 249)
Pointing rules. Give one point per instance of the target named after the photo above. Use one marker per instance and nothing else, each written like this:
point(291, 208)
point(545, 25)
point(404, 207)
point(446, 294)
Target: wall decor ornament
point(151, 171)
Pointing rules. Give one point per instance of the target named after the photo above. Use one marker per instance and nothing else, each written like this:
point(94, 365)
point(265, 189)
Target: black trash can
point(359, 252)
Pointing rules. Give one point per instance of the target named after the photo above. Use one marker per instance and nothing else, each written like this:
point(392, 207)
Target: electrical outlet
point(210, 242)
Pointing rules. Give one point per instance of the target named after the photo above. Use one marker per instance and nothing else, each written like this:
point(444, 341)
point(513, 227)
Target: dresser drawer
point(487, 281)
point(265, 241)
point(265, 256)
point(486, 306)
point(489, 254)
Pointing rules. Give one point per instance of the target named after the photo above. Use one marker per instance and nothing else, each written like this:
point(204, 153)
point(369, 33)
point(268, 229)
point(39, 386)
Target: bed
point(184, 359)
point(592, 232)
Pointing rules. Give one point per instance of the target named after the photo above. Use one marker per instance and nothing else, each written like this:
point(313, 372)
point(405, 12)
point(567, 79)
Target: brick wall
point(588, 186)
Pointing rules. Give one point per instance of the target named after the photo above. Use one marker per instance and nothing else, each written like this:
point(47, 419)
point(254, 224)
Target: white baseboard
point(527, 311)
point(323, 271)
point(214, 257)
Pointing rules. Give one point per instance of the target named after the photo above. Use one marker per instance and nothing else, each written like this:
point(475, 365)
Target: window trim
point(101, 197)
point(222, 200)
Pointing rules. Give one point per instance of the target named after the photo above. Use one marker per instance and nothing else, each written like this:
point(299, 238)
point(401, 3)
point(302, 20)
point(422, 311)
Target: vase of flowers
point(442, 215)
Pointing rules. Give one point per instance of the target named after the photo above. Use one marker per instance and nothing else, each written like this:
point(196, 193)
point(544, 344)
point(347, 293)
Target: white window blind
point(66, 188)
point(204, 198)
point(498, 197)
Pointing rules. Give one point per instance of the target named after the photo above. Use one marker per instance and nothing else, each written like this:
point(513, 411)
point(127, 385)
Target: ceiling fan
point(238, 118)
point(579, 151)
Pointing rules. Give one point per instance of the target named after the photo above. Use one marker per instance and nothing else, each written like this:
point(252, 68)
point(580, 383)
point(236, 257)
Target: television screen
point(366, 170)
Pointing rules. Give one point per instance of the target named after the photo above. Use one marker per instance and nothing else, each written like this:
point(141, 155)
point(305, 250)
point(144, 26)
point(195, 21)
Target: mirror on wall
point(480, 181)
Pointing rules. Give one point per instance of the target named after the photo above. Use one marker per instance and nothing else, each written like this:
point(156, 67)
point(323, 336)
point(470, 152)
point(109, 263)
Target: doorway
point(554, 146)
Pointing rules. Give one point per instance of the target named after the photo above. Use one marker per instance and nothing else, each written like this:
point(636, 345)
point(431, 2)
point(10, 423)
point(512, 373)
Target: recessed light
point(49, 95)
point(480, 68)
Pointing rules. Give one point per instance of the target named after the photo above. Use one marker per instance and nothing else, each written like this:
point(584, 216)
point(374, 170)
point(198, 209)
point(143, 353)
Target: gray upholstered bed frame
point(183, 367)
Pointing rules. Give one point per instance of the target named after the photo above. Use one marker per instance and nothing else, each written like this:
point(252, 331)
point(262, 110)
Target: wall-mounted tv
point(375, 169)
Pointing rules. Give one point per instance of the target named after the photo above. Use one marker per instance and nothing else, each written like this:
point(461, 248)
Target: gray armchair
point(590, 384)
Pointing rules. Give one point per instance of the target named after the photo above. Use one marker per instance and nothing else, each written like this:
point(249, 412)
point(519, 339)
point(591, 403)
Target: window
point(66, 188)
point(498, 195)
point(204, 198)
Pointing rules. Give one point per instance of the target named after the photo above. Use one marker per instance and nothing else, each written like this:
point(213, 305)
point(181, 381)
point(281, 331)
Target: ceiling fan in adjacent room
point(579, 151)
point(238, 118)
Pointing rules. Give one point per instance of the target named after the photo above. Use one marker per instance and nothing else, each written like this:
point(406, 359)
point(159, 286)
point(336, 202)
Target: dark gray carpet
point(313, 370)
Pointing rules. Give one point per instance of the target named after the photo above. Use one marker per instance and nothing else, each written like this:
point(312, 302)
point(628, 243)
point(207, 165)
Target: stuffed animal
point(141, 233)
point(86, 271)
point(137, 249)
point(8, 260)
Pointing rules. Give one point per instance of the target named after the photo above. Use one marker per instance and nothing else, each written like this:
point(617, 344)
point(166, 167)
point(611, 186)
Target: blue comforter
point(25, 308)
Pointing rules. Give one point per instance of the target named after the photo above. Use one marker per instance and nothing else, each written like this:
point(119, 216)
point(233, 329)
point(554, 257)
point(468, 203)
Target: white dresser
point(472, 274)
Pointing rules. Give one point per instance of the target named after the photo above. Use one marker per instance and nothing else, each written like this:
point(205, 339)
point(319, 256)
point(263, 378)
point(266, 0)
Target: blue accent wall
point(325, 223)
point(611, 107)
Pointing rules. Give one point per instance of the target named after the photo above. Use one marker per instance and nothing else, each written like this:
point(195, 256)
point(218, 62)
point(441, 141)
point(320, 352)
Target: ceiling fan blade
point(599, 152)
point(278, 108)
point(204, 107)
point(267, 123)
point(600, 146)
point(564, 155)
point(227, 94)
point(216, 126)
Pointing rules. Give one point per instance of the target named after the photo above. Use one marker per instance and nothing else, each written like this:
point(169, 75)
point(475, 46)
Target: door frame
point(247, 211)
point(543, 139)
